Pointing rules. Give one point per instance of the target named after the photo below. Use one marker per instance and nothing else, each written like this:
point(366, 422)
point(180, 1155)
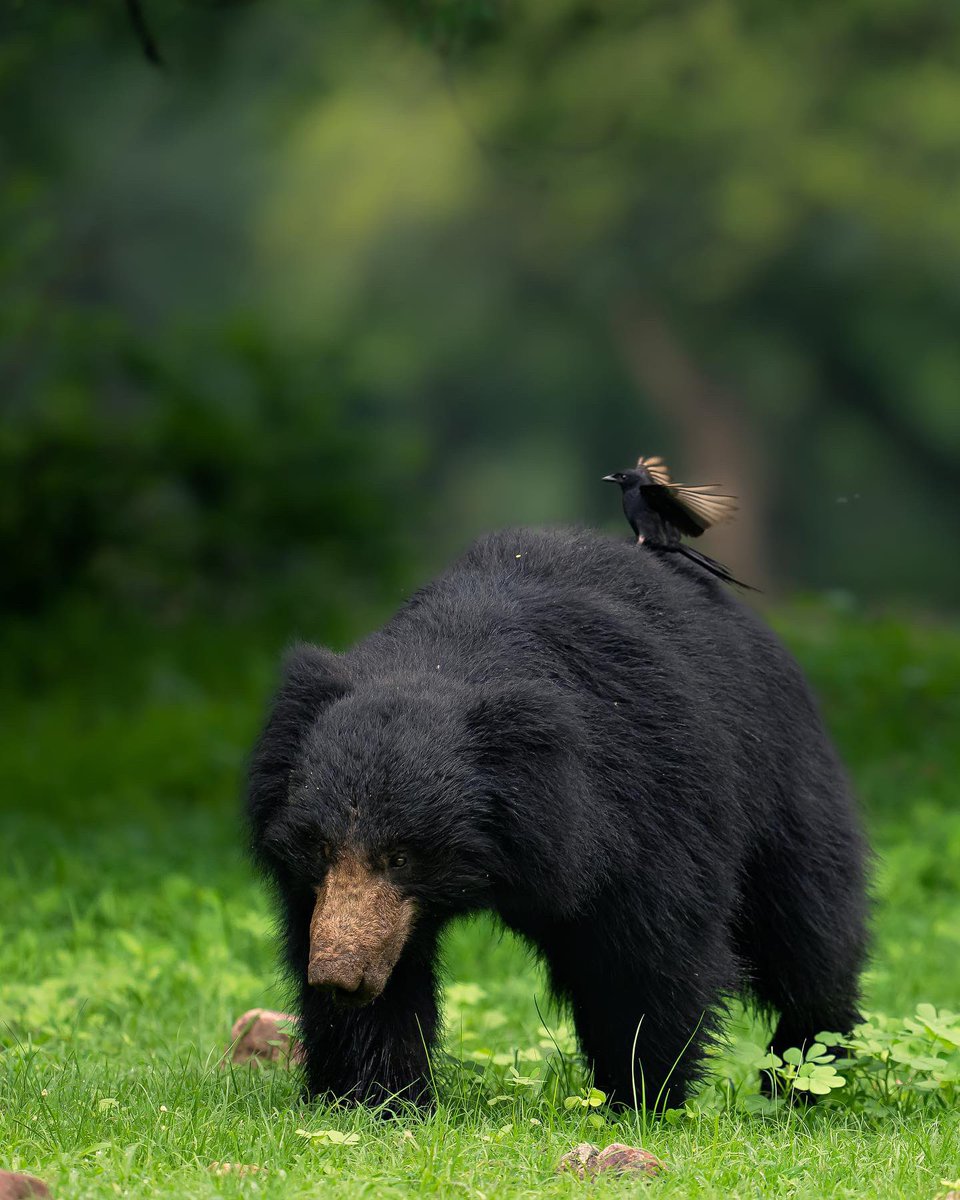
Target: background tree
point(338, 289)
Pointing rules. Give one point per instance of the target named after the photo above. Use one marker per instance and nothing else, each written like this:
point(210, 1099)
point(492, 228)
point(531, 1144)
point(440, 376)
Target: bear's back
point(569, 603)
point(677, 678)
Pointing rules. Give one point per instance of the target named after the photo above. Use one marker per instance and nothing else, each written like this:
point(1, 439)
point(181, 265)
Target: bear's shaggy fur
point(605, 748)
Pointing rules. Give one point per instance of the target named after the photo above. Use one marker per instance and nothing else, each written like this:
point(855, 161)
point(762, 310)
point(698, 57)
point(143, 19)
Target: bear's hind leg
point(804, 939)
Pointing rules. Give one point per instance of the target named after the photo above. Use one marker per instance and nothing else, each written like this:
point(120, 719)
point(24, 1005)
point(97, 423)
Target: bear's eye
point(326, 851)
point(396, 861)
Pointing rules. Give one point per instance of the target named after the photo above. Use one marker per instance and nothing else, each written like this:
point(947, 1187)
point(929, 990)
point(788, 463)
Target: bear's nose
point(335, 974)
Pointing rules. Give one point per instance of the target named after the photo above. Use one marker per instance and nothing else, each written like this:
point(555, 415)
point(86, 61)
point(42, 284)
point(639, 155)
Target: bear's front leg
point(377, 1054)
point(644, 1017)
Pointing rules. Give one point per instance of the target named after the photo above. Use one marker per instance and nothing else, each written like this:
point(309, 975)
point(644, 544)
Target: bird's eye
point(396, 861)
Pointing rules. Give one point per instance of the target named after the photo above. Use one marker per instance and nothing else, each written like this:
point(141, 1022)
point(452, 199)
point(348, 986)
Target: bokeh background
point(292, 317)
point(289, 321)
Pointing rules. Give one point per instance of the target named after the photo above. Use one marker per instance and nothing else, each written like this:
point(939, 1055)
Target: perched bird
point(660, 512)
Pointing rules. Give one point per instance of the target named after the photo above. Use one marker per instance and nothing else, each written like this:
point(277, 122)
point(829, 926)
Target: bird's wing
point(656, 468)
point(705, 504)
point(690, 509)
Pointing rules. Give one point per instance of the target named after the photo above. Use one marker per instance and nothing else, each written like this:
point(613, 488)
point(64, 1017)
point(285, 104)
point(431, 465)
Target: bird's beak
point(609, 479)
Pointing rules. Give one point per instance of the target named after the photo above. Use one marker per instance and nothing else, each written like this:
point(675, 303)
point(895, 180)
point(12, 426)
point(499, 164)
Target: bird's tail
point(711, 565)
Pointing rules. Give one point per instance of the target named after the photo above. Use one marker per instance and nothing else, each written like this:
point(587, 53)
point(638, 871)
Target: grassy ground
point(134, 933)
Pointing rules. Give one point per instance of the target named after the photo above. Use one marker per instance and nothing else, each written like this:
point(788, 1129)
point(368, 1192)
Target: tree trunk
point(712, 428)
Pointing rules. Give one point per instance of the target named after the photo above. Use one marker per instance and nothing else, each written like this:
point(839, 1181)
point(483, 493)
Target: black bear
point(604, 747)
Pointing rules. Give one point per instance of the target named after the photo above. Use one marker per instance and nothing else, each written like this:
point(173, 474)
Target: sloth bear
point(605, 748)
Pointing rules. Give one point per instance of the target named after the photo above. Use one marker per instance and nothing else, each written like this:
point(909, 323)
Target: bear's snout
point(336, 974)
point(359, 927)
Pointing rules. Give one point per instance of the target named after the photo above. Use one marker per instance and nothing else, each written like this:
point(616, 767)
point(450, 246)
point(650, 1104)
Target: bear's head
point(387, 803)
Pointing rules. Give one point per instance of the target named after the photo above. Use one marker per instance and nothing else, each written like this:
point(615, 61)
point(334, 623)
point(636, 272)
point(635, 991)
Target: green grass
point(134, 934)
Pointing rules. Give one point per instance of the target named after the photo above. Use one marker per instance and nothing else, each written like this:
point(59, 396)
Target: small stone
point(581, 1161)
point(231, 1168)
point(258, 1036)
point(586, 1161)
point(620, 1158)
point(14, 1186)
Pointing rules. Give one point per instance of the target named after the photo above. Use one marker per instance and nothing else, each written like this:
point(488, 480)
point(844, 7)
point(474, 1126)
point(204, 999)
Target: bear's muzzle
point(359, 927)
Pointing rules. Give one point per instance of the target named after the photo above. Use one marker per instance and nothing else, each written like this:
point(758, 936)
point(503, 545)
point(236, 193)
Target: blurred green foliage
point(168, 501)
point(342, 286)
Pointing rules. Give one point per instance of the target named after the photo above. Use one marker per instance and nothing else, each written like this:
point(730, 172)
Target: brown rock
point(257, 1037)
point(586, 1160)
point(581, 1161)
point(232, 1168)
point(620, 1158)
point(21, 1187)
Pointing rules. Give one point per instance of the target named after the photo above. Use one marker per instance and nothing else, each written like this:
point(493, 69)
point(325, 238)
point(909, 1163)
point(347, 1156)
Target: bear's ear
point(312, 678)
point(516, 727)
